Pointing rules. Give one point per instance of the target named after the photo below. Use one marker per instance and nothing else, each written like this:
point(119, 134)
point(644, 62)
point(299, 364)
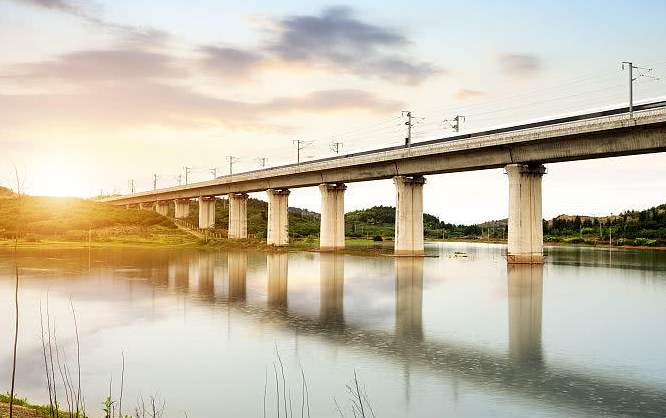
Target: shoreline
point(355, 246)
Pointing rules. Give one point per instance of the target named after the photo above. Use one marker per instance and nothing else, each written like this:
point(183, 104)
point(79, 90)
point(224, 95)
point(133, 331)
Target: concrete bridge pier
point(332, 232)
point(206, 212)
point(237, 215)
point(162, 207)
point(182, 209)
point(525, 239)
point(409, 215)
point(278, 217)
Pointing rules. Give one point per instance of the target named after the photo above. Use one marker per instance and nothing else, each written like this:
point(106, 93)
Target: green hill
point(379, 221)
point(70, 219)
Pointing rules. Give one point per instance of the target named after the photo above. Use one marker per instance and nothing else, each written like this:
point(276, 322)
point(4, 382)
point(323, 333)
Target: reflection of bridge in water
point(522, 371)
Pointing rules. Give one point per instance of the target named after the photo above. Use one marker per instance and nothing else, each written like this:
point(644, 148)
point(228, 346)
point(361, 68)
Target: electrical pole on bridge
point(336, 146)
point(262, 161)
point(154, 181)
point(213, 171)
point(408, 138)
point(454, 123)
point(188, 170)
point(231, 159)
point(300, 144)
point(642, 72)
point(130, 184)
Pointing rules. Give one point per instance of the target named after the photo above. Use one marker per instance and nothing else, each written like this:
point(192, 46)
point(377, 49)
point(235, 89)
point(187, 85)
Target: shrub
point(377, 238)
point(645, 242)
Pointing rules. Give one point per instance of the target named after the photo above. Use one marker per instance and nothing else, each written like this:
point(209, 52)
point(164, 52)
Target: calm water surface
point(459, 335)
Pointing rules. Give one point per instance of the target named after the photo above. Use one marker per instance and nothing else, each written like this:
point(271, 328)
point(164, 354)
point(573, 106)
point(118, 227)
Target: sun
point(58, 178)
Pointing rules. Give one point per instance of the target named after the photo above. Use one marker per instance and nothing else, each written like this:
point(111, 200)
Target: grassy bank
point(24, 409)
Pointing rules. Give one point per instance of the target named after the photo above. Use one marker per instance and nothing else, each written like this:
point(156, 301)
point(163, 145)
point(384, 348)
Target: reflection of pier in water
point(525, 284)
point(409, 298)
point(237, 269)
point(277, 270)
point(331, 289)
point(522, 371)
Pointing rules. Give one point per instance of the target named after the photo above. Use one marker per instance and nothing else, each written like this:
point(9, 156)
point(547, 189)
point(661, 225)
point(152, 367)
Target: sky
point(94, 94)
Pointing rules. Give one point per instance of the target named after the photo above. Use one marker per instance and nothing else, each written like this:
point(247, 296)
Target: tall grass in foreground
point(19, 188)
point(358, 402)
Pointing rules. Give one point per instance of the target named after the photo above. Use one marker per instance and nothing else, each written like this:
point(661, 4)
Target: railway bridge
point(522, 150)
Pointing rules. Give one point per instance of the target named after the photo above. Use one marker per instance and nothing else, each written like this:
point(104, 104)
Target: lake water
point(460, 334)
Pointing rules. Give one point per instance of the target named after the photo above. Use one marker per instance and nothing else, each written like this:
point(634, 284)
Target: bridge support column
point(525, 222)
point(237, 215)
point(206, 212)
point(332, 231)
point(162, 207)
point(409, 215)
point(278, 217)
point(182, 209)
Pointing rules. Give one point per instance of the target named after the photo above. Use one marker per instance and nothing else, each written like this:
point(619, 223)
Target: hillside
point(379, 221)
point(5, 192)
point(70, 219)
point(645, 227)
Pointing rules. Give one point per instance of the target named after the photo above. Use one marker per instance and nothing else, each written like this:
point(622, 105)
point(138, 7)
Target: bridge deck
point(596, 135)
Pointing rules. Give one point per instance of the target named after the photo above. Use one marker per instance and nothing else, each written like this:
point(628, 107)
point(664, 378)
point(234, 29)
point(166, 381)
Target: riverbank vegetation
point(51, 221)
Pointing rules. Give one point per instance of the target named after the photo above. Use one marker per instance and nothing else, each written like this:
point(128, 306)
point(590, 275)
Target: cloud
point(138, 103)
point(229, 62)
point(331, 100)
point(59, 5)
point(101, 65)
point(339, 39)
point(519, 65)
point(89, 12)
point(464, 94)
point(335, 39)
